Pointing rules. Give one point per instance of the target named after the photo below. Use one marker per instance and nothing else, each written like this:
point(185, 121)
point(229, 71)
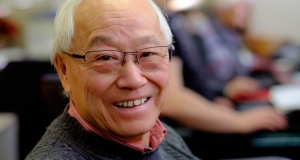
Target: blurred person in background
point(183, 70)
point(220, 26)
point(191, 100)
point(224, 27)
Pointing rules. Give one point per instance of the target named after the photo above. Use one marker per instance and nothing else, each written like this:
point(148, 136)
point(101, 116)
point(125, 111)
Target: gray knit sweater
point(66, 139)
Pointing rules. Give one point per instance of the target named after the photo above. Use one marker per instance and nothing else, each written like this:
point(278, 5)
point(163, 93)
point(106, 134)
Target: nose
point(130, 75)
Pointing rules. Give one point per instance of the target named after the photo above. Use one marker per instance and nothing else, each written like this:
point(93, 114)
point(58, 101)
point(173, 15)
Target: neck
point(142, 140)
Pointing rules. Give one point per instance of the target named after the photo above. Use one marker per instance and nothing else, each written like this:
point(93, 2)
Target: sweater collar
point(157, 133)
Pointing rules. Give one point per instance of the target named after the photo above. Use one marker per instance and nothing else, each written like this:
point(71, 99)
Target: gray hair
point(64, 26)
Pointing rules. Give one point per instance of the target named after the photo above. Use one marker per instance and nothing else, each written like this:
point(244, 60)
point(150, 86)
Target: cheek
point(165, 75)
point(162, 79)
point(97, 85)
point(96, 90)
point(165, 79)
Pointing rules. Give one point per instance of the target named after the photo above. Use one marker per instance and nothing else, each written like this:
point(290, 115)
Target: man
point(112, 58)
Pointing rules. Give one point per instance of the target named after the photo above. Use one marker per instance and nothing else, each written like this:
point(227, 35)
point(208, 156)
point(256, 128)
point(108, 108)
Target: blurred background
point(26, 29)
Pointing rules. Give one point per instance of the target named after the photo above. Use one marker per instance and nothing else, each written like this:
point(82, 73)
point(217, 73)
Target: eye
point(104, 57)
point(147, 54)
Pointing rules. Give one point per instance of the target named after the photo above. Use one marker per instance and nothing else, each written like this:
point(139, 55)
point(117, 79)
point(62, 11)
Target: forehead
point(103, 6)
point(94, 15)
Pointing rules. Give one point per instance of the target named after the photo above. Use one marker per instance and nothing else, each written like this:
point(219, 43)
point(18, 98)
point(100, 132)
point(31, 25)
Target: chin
point(138, 128)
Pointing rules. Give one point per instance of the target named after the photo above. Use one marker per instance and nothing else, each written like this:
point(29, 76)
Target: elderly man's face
point(116, 25)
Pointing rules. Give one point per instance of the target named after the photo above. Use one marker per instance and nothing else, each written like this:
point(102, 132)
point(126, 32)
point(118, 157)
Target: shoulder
point(175, 145)
point(53, 149)
point(54, 145)
point(173, 137)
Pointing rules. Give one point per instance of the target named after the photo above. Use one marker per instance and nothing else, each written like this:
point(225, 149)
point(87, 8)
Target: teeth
point(137, 102)
point(132, 103)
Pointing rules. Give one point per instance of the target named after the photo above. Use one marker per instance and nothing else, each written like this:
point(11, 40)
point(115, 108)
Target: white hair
point(64, 26)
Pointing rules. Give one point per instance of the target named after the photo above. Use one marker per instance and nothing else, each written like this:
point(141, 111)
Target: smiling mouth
point(132, 103)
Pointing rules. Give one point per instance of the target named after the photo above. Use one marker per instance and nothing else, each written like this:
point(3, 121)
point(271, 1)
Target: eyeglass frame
point(171, 50)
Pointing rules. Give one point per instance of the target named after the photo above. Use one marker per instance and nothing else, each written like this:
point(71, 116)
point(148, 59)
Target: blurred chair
point(52, 92)
point(9, 126)
point(20, 93)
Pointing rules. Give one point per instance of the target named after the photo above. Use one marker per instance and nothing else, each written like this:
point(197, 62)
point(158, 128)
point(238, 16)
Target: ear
point(60, 65)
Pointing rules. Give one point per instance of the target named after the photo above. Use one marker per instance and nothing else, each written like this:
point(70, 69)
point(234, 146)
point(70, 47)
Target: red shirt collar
point(157, 133)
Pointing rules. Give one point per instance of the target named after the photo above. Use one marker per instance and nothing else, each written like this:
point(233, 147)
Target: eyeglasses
point(108, 61)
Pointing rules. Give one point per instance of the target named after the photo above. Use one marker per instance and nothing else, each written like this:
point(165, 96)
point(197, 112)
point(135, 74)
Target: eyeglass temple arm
point(74, 55)
point(171, 52)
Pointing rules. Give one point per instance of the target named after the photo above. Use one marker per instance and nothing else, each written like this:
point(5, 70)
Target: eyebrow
point(100, 40)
